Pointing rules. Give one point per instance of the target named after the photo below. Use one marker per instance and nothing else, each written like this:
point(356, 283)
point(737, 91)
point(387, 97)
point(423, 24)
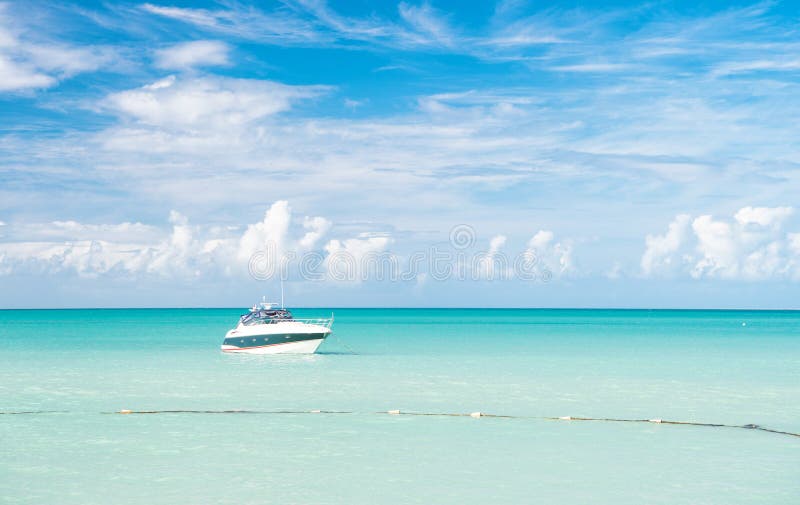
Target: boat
point(267, 329)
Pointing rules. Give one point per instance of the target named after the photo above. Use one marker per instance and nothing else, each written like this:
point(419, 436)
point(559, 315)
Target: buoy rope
point(27, 412)
point(434, 414)
point(351, 351)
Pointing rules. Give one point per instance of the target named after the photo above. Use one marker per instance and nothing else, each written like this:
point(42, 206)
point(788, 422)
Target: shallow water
point(678, 365)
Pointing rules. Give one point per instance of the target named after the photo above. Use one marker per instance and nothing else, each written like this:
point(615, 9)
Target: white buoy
point(566, 418)
point(125, 411)
point(316, 411)
point(655, 421)
point(744, 324)
point(475, 414)
point(393, 412)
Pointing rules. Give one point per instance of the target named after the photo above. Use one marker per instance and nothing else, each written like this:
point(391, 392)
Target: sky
point(444, 154)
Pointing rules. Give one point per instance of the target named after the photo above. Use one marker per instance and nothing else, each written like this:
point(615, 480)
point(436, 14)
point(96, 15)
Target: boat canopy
point(265, 315)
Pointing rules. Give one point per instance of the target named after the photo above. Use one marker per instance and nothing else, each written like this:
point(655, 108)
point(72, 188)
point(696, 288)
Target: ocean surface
point(72, 369)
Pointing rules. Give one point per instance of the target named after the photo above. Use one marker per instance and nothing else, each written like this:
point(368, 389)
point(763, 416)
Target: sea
point(241, 429)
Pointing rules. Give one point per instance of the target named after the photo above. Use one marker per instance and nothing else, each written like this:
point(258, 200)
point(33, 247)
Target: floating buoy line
point(475, 415)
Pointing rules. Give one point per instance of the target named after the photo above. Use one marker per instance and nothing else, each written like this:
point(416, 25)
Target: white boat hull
point(283, 337)
point(302, 347)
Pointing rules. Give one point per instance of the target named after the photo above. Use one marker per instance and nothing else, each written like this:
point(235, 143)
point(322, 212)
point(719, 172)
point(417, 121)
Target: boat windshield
point(265, 317)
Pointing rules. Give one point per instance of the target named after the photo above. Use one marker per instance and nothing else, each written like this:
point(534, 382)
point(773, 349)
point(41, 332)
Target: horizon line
point(719, 309)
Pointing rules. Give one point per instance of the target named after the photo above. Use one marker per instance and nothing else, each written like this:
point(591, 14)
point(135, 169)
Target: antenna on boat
point(282, 306)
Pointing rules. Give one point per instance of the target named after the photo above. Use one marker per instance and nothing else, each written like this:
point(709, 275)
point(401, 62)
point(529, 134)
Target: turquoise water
point(678, 365)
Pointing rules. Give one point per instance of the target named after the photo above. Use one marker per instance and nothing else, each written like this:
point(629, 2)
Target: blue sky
point(638, 155)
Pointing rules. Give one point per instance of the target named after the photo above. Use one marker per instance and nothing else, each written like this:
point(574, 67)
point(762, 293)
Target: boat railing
point(320, 321)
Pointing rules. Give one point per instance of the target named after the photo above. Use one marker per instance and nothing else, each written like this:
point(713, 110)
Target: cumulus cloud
point(210, 102)
point(192, 54)
point(753, 245)
point(660, 249)
point(355, 259)
point(543, 258)
point(550, 254)
point(491, 265)
point(317, 227)
point(134, 249)
point(763, 216)
point(176, 254)
point(272, 231)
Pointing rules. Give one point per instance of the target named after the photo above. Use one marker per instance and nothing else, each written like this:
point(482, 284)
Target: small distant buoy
point(475, 414)
point(744, 324)
point(125, 411)
point(316, 411)
point(393, 412)
point(655, 421)
point(566, 418)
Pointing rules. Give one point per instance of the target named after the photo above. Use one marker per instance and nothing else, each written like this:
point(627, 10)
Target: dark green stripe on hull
point(280, 338)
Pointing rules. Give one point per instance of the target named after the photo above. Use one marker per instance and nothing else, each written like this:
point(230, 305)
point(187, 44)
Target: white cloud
point(270, 233)
point(353, 104)
point(359, 247)
point(794, 243)
point(763, 216)
point(521, 40)
point(317, 227)
point(740, 67)
point(572, 40)
point(260, 249)
point(174, 254)
point(428, 23)
point(685, 138)
point(593, 67)
point(192, 54)
point(74, 231)
point(491, 265)
point(65, 61)
point(15, 76)
point(717, 246)
point(551, 255)
point(206, 102)
point(356, 259)
point(134, 249)
point(660, 249)
point(199, 17)
point(243, 21)
point(754, 245)
point(166, 82)
point(27, 64)
point(313, 21)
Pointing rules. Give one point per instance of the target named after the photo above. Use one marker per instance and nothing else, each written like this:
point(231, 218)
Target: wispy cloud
point(30, 63)
point(741, 67)
point(279, 26)
point(593, 67)
point(418, 27)
point(431, 25)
